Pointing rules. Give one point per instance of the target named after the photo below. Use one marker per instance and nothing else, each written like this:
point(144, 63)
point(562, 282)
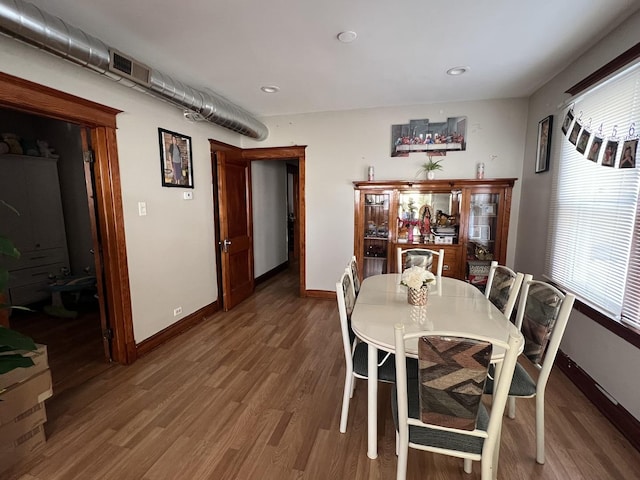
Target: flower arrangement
point(416, 277)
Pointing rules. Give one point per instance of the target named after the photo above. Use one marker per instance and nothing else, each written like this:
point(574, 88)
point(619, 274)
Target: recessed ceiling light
point(457, 71)
point(270, 89)
point(347, 37)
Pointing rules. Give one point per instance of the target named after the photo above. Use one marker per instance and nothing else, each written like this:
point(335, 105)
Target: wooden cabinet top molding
point(443, 183)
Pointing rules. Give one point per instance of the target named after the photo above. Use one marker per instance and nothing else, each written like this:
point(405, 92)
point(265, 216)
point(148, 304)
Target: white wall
point(341, 145)
point(269, 199)
point(170, 251)
point(608, 359)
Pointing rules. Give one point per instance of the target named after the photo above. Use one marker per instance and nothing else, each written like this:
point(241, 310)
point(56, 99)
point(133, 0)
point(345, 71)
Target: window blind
point(593, 207)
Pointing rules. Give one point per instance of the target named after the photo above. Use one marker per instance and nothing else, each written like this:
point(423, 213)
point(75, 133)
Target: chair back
point(468, 358)
point(355, 275)
point(503, 286)
point(452, 373)
point(421, 257)
point(346, 301)
point(543, 313)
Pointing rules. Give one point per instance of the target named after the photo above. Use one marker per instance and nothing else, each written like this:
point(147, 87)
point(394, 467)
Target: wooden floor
point(74, 345)
point(255, 394)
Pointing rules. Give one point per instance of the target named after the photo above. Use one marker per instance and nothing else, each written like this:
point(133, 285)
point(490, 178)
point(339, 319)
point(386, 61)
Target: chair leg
point(467, 465)
point(403, 453)
point(346, 396)
point(486, 470)
point(540, 429)
point(511, 407)
point(352, 387)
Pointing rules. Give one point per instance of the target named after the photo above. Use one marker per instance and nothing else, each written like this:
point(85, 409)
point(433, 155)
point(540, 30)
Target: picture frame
point(480, 232)
point(543, 152)
point(176, 159)
point(628, 155)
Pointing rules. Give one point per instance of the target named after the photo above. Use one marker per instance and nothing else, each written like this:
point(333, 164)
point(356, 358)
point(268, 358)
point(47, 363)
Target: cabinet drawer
point(27, 294)
point(36, 258)
point(27, 276)
point(451, 262)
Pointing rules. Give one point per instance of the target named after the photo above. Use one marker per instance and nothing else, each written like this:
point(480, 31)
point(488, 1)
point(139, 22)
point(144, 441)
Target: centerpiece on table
point(417, 279)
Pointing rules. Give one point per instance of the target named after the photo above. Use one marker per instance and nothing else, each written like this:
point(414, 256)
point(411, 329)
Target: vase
point(418, 296)
point(431, 175)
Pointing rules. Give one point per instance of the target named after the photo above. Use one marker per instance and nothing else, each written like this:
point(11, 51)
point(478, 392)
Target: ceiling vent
point(128, 67)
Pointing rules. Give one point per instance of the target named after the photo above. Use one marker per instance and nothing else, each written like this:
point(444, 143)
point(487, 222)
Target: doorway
point(293, 155)
point(99, 125)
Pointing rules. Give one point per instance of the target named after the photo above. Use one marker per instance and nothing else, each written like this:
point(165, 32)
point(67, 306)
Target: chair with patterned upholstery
point(503, 286)
point(422, 257)
point(443, 412)
point(352, 266)
point(356, 353)
point(543, 313)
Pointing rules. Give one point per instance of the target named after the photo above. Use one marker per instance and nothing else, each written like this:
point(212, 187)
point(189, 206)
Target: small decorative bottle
point(480, 171)
point(370, 174)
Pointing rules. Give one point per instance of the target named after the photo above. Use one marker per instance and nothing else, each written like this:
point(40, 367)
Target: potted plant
point(12, 343)
point(430, 167)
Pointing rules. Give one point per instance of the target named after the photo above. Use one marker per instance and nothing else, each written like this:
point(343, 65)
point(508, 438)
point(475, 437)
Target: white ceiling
point(403, 48)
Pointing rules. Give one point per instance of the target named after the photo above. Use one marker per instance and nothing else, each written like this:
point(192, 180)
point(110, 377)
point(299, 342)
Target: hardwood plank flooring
point(255, 393)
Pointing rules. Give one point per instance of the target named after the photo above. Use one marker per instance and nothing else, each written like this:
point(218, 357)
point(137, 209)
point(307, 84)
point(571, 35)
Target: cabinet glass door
point(481, 236)
point(376, 234)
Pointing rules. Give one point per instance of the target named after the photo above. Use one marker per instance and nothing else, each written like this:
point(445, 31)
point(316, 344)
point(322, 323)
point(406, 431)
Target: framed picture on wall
point(544, 144)
point(176, 162)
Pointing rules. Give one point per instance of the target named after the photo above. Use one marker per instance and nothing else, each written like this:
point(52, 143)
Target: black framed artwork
point(176, 161)
point(544, 144)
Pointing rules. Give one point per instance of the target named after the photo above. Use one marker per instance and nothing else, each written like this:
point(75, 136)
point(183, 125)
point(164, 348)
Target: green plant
point(431, 165)
point(12, 343)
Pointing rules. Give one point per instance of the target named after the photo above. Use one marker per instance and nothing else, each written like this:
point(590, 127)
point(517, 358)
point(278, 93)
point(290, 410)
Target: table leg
point(372, 403)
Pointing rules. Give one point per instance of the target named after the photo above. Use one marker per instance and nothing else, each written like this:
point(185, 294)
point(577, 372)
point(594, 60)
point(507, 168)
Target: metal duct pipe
point(25, 21)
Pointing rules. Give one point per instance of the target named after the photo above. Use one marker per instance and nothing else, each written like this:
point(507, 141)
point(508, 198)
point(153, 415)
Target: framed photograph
point(544, 144)
point(488, 209)
point(628, 157)
point(567, 121)
point(480, 232)
point(573, 137)
point(582, 141)
point(176, 161)
point(594, 150)
point(609, 155)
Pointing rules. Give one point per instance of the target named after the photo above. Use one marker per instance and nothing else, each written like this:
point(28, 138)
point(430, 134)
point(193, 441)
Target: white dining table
point(453, 305)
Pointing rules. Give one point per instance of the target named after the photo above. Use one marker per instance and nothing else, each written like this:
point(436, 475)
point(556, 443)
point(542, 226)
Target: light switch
point(142, 208)
point(187, 195)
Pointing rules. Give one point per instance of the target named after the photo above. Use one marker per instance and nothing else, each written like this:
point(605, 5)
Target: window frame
point(623, 330)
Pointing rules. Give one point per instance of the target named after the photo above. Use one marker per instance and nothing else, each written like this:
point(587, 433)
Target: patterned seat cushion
point(452, 373)
point(541, 312)
point(501, 288)
point(418, 259)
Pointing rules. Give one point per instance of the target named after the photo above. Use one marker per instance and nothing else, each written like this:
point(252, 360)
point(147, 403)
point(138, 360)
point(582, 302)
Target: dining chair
point(443, 412)
point(422, 257)
point(542, 316)
point(352, 266)
point(503, 286)
point(355, 352)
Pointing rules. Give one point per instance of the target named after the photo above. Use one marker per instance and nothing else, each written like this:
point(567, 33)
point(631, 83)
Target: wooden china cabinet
point(467, 218)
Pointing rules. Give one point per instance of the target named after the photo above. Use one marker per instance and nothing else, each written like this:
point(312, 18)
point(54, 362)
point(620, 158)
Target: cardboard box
point(22, 447)
point(41, 363)
point(23, 423)
point(20, 397)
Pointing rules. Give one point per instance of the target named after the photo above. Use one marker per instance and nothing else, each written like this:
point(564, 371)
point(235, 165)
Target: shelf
point(384, 239)
point(374, 258)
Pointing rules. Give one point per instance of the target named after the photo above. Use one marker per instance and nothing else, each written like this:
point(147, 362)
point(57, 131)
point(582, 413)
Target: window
point(594, 205)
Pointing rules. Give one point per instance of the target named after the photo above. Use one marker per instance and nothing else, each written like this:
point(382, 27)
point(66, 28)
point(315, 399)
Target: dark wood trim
point(176, 329)
point(23, 95)
point(624, 331)
point(271, 273)
point(628, 425)
point(26, 96)
point(109, 199)
point(446, 183)
point(321, 294)
point(603, 72)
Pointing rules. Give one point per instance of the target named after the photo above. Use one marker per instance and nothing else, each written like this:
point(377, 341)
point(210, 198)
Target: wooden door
point(90, 182)
point(236, 236)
